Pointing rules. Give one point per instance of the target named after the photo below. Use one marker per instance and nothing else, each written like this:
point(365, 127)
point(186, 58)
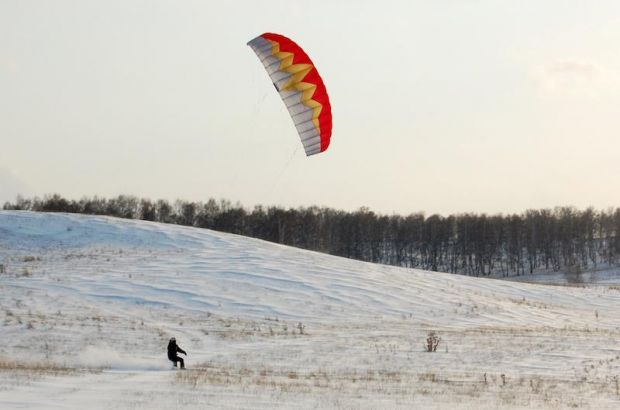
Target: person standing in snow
point(173, 348)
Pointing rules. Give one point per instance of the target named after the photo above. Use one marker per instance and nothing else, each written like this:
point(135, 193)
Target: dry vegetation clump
point(35, 368)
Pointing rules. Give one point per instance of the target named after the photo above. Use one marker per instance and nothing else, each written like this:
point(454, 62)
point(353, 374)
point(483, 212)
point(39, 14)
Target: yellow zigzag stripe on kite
point(295, 82)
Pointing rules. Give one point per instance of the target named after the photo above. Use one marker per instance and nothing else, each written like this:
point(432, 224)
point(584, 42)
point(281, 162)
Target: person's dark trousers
point(180, 360)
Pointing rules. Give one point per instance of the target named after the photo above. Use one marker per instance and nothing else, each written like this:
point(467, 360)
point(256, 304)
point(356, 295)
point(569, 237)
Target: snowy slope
point(95, 299)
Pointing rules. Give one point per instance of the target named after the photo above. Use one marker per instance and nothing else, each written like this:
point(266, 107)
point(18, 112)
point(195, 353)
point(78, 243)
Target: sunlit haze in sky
point(438, 106)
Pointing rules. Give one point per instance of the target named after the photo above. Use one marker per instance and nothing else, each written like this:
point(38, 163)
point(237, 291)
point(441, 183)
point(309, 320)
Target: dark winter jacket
point(173, 349)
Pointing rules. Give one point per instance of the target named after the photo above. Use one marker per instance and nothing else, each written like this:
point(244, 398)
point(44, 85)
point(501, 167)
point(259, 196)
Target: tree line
point(559, 239)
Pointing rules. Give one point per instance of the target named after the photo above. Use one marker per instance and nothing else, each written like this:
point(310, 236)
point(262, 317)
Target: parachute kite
point(300, 87)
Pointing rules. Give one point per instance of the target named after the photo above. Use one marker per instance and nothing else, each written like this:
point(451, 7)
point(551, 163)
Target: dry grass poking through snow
point(502, 389)
point(42, 368)
point(291, 380)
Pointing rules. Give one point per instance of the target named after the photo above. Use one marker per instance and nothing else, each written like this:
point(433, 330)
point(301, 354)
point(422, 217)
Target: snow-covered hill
point(87, 305)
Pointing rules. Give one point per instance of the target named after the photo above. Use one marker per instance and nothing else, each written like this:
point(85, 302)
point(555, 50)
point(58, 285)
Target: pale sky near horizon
point(438, 106)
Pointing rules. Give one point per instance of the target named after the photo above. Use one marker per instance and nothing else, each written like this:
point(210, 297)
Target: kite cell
point(301, 88)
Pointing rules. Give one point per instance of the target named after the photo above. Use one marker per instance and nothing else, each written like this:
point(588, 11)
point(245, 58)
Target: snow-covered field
point(87, 305)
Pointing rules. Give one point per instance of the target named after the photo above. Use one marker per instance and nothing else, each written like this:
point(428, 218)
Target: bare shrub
point(432, 341)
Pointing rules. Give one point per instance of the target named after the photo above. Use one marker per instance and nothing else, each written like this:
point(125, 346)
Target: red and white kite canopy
point(300, 87)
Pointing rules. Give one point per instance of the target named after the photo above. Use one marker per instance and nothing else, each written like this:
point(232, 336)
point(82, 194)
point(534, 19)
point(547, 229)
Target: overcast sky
point(438, 106)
